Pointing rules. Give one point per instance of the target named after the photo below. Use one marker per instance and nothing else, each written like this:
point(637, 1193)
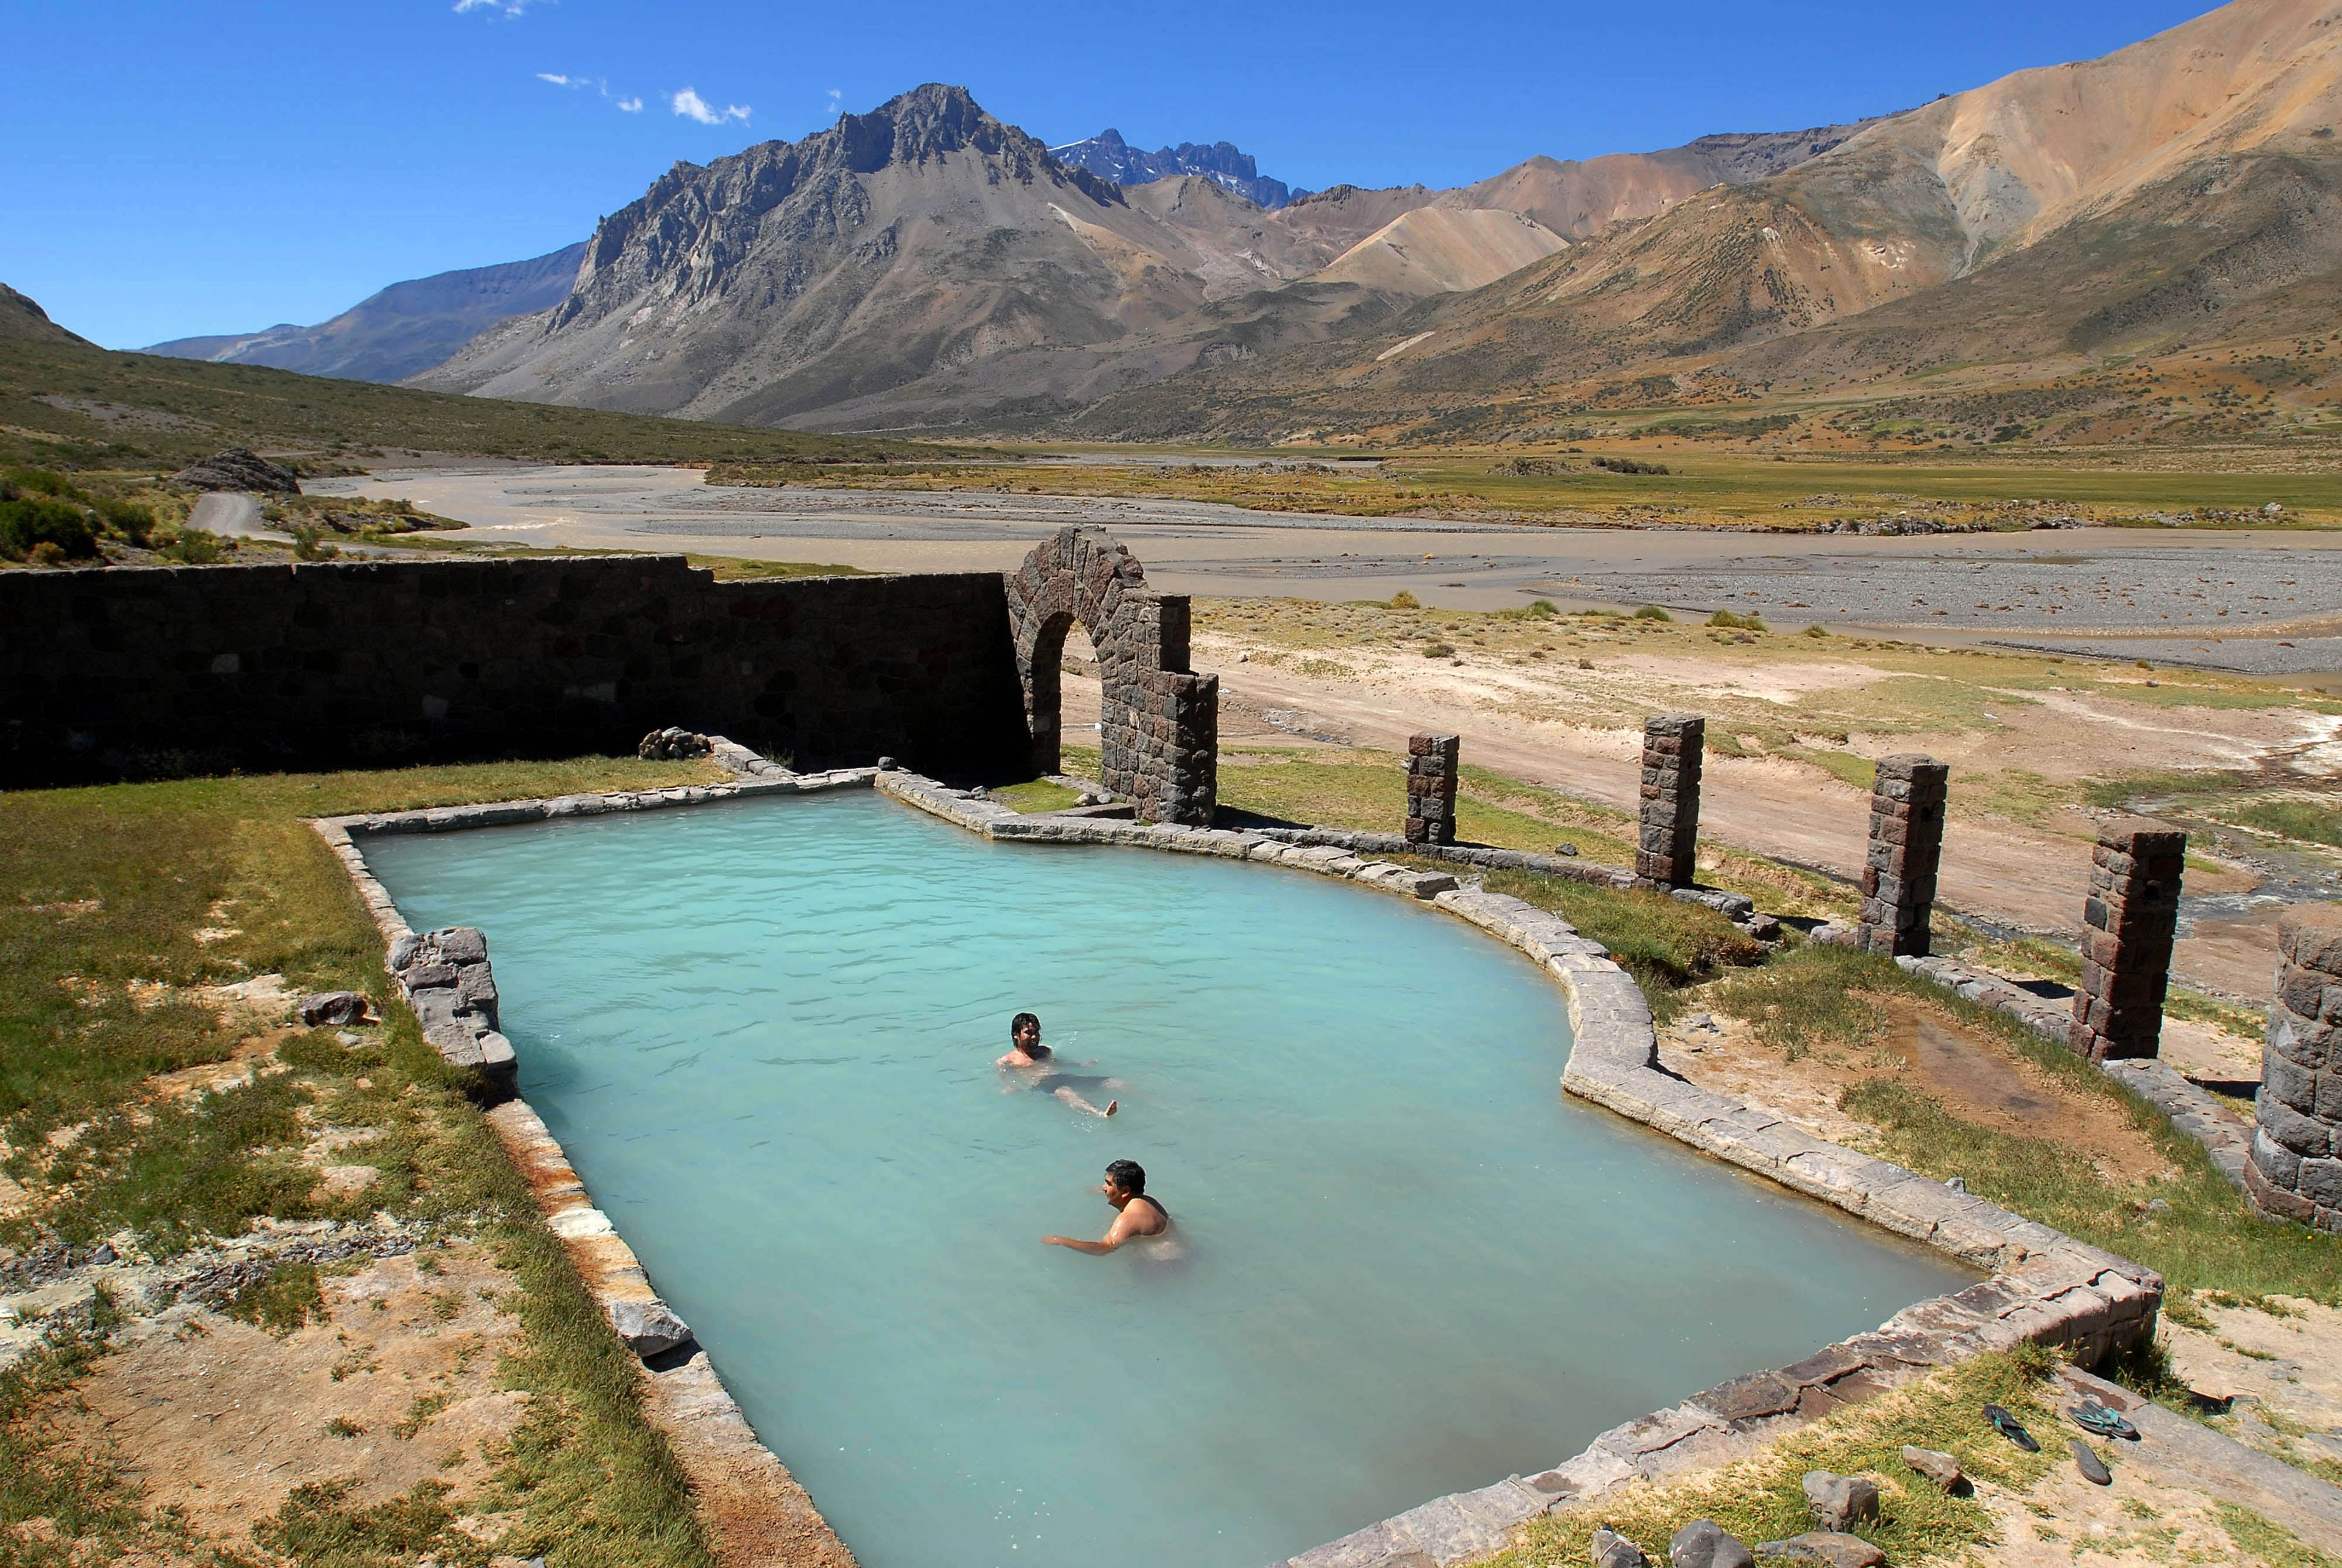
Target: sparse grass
point(2206, 1238)
point(2032, 957)
point(1664, 942)
point(2301, 819)
point(2267, 1542)
point(283, 1301)
point(1035, 794)
point(207, 406)
point(100, 887)
point(1762, 1498)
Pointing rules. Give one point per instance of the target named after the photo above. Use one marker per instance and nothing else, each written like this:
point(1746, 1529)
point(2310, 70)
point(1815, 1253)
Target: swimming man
point(1135, 1214)
point(1026, 1053)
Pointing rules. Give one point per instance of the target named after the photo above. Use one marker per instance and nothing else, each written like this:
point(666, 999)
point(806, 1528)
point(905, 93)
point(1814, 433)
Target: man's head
point(1125, 1180)
point(1025, 1031)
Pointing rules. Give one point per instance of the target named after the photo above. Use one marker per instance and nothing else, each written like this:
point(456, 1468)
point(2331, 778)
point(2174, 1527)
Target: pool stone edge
point(2046, 1288)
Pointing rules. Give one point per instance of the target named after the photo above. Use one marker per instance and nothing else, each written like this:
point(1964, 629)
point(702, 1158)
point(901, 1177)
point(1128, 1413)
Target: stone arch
point(1159, 722)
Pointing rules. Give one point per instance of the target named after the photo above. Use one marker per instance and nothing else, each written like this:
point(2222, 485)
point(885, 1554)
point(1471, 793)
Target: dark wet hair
point(1019, 1022)
point(1128, 1174)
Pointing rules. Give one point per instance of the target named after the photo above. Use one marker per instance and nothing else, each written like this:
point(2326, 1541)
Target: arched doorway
point(1158, 722)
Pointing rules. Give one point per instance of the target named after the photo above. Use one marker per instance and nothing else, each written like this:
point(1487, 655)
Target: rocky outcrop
point(673, 743)
point(446, 978)
point(240, 468)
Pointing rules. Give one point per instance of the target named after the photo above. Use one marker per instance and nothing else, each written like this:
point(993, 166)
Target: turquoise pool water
point(764, 1034)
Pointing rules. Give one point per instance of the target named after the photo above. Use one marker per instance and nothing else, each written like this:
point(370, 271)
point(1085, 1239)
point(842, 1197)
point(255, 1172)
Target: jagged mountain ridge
point(397, 331)
point(928, 264)
point(2180, 189)
point(1108, 155)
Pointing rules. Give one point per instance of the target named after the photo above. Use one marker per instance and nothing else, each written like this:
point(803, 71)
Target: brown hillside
point(26, 322)
point(2180, 189)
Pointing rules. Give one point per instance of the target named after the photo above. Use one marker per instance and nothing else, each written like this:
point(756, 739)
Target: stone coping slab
point(2045, 1288)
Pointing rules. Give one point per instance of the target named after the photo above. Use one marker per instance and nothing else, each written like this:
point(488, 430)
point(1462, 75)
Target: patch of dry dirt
point(1571, 729)
point(1971, 1075)
point(223, 1420)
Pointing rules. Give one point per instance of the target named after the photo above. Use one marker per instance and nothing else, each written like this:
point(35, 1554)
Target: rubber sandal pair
point(2009, 1427)
point(2094, 1417)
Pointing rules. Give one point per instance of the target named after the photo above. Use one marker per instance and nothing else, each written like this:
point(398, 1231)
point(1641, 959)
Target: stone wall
point(1674, 745)
point(1431, 763)
point(152, 671)
point(2130, 921)
point(1158, 722)
point(1906, 846)
point(2294, 1168)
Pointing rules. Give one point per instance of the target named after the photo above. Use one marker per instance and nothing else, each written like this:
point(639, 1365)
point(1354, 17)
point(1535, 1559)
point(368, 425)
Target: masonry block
point(2131, 915)
point(1666, 848)
point(1431, 769)
point(2294, 1168)
point(1906, 846)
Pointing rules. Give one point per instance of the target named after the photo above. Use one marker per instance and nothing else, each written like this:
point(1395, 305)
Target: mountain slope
point(928, 264)
point(2182, 186)
point(408, 327)
point(23, 320)
point(1109, 157)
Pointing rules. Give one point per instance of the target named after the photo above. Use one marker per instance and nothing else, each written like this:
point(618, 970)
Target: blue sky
point(175, 168)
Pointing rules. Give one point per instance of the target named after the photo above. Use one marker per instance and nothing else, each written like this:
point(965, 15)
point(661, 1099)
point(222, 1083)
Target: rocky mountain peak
point(1110, 157)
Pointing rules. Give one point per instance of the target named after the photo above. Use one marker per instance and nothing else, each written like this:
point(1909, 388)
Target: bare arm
point(1121, 1231)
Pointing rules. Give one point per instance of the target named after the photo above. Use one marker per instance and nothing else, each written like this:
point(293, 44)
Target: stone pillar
point(1673, 744)
point(2293, 1169)
point(1906, 844)
point(2132, 916)
point(1431, 788)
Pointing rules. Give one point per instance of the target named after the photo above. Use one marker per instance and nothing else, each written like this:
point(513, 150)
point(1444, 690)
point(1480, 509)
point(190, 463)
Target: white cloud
point(599, 84)
point(692, 106)
point(836, 102)
point(501, 8)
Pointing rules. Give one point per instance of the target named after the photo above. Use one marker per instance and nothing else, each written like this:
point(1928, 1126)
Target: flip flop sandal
point(2098, 1419)
point(2009, 1428)
point(2093, 1469)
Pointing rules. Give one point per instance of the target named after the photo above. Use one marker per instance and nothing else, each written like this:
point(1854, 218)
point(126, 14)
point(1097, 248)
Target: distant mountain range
point(1108, 156)
point(405, 328)
point(927, 267)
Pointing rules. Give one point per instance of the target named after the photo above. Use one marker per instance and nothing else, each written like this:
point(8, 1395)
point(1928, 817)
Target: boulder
point(1838, 1501)
point(1704, 1544)
point(649, 1328)
point(673, 744)
point(1612, 1550)
point(1938, 1467)
point(333, 1007)
point(462, 944)
point(1824, 1546)
point(240, 468)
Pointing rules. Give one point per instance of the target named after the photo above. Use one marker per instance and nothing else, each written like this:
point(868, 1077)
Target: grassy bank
point(92, 408)
point(121, 910)
point(1628, 482)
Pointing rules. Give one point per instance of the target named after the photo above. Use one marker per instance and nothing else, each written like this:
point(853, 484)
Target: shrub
point(1437, 651)
point(18, 482)
point(194, 547)
point(1629, 466)
point(1536, 610)
point(1726, 619)
point(29, 520)
point(1653, 613)
point(132, 522)
point(1817, 631)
